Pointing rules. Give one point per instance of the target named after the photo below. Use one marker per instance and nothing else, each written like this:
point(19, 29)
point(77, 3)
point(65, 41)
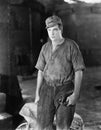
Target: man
point(60, 70)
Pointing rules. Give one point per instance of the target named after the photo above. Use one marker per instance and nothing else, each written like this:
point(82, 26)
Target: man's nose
point(52, 32)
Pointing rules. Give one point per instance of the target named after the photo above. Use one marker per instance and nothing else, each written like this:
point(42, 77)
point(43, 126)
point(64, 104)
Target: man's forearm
point(77, 82)
point(39, 81)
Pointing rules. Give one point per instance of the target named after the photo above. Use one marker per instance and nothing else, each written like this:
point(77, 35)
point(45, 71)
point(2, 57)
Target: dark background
point(22, 31)
point(22, 34)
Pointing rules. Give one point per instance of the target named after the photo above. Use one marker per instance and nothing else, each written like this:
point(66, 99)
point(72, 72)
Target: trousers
point(52, 103)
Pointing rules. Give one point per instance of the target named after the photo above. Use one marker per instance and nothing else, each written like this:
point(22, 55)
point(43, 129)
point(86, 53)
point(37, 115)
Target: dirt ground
point(89, 104)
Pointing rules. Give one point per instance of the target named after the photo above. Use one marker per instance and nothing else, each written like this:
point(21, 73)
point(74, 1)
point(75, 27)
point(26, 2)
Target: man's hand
point(72, 99)
point(36, 99)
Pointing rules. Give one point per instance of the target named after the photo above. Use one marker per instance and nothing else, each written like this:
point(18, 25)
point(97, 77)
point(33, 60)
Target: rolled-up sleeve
point(77, 59)
point(41, 60)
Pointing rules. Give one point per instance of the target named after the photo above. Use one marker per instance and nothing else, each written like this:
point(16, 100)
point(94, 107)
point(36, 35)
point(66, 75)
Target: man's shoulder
point(46, 46)
point(71, 43)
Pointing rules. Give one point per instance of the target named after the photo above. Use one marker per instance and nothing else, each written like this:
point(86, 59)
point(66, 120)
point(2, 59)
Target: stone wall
point(82, 23)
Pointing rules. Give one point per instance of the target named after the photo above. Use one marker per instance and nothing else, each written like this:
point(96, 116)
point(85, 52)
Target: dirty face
point(54, 33)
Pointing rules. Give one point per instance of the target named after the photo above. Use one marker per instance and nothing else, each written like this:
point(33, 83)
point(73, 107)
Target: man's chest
point(59, 56)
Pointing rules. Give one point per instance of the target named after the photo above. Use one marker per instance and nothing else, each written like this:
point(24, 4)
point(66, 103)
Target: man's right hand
point(37, 99)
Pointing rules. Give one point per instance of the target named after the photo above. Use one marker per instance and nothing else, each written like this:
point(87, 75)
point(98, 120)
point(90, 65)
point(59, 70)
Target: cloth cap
point(52, 21)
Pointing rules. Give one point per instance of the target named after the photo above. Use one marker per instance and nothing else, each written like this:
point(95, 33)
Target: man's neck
point(55, 43)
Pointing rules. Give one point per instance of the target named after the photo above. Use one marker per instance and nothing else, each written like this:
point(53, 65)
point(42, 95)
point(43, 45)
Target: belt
point(54, 84)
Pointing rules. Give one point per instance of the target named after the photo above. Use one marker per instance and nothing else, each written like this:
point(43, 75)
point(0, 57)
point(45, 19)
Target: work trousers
point(53, 103)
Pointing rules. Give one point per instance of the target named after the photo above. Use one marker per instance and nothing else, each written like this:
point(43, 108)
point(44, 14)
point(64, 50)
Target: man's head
point(54, 27)
point(52, 21)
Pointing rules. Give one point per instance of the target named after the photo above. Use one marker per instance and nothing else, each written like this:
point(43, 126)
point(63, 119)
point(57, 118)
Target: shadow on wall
point(92, 57)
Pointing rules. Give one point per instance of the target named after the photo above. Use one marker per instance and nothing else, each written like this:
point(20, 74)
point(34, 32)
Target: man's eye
point(56, 29)
point(49, 30)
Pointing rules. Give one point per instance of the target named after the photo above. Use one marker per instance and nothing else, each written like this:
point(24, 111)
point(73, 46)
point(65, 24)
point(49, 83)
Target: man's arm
point(77, 85)
point(39, 83)
point(77, 82)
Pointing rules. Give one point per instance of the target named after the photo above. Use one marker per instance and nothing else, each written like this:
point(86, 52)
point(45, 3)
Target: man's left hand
point(72, 99)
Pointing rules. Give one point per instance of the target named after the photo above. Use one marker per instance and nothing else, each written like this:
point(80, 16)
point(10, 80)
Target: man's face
point(54, 33)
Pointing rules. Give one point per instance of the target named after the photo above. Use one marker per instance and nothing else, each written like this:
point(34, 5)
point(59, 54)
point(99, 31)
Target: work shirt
point(59, 66)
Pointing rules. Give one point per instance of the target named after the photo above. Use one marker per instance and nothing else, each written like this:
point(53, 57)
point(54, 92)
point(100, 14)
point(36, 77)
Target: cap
point(52, 21)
